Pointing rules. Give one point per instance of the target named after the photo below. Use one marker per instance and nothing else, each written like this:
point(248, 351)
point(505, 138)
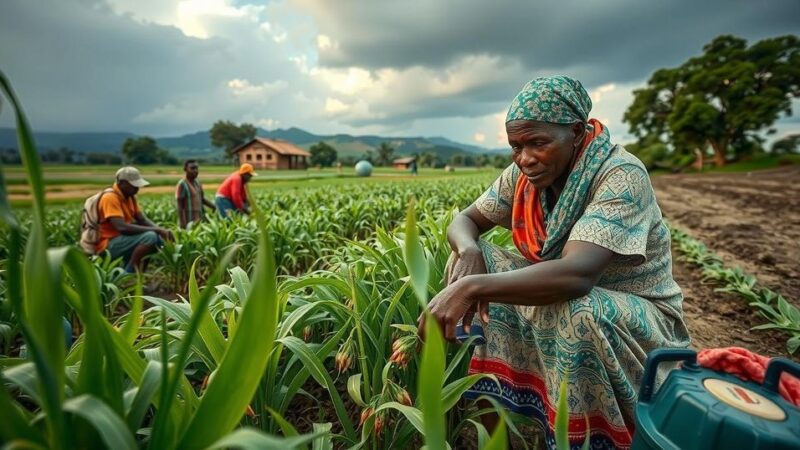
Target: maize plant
point(780, 314)
point(102, 390)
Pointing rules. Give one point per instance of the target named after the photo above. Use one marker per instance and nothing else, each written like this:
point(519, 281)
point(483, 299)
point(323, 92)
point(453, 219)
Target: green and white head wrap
point(551, 99)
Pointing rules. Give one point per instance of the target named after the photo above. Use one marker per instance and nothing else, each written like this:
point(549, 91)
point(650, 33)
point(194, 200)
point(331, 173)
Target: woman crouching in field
point(592, 291)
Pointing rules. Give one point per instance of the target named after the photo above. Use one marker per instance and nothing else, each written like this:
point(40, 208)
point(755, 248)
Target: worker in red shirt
point(231, 196)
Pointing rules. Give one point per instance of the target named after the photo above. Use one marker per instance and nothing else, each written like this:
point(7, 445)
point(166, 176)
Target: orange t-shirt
point(114, 204)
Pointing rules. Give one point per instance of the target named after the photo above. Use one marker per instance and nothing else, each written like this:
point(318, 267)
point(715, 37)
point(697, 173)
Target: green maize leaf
point(100, 373)
point(793, 344)
point(452, 393)
point(562, 417)
point(148, 386)
point(104, 420)
point(354, 389)
point(317, 369)
point(501, 411)
point(251, 439)
point(499, 440)
point(130, 328)
point(287, 428)
point(407, 328)
point(13, 424)
point(766, 326)
point(43, 307)
point(322, 442)
point(245, 359)
point(430, 381)
point(6, 213)
point(207, 329)
point(462, 351)
point(483, 435)
point(414, 255)
point(300, 378)
point(241, 282)
point(414, 415)
point(587, 440)
point(27, 149)
point(25, 377)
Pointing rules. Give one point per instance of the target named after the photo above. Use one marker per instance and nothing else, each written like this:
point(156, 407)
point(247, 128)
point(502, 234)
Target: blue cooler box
point(697, 408)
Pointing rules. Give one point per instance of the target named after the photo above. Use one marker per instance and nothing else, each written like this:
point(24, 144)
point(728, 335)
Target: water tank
point(363, 168)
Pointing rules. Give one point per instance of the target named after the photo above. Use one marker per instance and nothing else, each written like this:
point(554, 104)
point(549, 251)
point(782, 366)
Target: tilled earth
point(751, 220)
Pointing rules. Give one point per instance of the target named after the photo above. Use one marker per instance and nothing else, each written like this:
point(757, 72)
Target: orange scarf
point(528, 226)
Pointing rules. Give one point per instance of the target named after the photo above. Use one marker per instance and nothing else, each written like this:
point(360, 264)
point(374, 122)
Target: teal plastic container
point(697, 408)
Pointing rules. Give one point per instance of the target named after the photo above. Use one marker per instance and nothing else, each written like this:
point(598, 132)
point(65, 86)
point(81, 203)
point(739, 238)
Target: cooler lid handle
point(657, 357)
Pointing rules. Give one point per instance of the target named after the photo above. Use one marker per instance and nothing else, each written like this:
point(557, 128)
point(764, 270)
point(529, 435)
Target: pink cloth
point(748, 366)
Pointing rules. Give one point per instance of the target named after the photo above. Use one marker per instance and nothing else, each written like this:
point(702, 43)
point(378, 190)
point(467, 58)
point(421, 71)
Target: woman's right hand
point(467, 262)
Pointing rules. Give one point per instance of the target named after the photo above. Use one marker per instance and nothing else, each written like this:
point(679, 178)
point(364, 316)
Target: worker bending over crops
point(124, 230)
point(231, 196)
point(590, 291)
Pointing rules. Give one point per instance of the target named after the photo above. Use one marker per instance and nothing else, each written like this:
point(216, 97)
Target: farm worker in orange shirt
point(231, 196)
point(124, 231)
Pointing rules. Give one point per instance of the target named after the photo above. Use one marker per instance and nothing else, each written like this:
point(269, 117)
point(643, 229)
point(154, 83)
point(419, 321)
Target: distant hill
point(81, 142)
point(198, 144)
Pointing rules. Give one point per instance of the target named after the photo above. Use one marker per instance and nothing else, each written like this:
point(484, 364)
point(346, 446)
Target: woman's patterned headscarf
point(551, 99)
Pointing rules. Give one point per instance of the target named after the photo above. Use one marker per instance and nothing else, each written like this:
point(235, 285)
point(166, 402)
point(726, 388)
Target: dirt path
point(752, 220)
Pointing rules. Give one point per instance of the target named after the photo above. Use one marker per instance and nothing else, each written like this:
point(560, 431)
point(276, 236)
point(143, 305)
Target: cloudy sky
point(405, 68)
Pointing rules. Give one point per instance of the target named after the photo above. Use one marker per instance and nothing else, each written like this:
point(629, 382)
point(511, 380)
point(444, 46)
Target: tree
point(322, 154)
point(143, 150)
point(227, 135)
point(428, 159)
point(457, 160)
point(788, 144)
point(384, 154)
point(720, 99)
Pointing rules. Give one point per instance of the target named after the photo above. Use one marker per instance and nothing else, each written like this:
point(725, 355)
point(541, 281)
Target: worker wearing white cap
point(124, 230)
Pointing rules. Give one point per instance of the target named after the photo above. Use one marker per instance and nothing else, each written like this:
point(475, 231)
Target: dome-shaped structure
point(363, 168)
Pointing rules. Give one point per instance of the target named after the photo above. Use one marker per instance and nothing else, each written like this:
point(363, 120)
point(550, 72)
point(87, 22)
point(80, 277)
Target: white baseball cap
point(132, 176)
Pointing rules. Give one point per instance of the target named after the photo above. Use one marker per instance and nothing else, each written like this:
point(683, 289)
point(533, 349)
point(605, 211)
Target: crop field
point(297, 326)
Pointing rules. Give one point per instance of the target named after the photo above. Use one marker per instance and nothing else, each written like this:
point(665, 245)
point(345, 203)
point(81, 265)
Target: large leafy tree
point(720, 99)
point(322, 154)
point(228, 135)
point(384, 154)
point(143, 150)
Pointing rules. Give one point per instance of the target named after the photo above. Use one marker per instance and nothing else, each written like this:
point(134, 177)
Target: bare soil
point(751, 220)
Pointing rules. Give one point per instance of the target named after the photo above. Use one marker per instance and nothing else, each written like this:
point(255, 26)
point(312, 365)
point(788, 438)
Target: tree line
point(717, 105)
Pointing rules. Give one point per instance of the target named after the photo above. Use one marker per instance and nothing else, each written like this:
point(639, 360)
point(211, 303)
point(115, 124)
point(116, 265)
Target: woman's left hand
point(448, 308)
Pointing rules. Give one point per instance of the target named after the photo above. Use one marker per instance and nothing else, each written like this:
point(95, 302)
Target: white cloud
point(263, 91)
point(335, 106)
point(479, 137)
point(597, 94)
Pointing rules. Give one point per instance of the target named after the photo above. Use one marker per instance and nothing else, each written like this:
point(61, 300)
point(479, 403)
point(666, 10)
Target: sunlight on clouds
point(324, 42)
point(345, 81)
point(479, 137)
point(241, 87)
point(192, 14)
point(269, 124)
point(500, 120)
point(597, 94)
point(335, 106)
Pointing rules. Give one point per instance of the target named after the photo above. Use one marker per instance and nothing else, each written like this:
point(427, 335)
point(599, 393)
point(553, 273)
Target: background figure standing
point(413, 166)
point(124, 231)
point(231, 195)
point(190, 197)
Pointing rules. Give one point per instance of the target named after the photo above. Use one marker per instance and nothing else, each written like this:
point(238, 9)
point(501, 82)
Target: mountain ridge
point(198, 144)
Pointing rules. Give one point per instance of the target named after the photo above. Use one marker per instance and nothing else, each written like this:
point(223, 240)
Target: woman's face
point(543, 151)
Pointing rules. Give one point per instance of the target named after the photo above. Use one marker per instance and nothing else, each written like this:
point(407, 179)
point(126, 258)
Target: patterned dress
point(601, 340)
